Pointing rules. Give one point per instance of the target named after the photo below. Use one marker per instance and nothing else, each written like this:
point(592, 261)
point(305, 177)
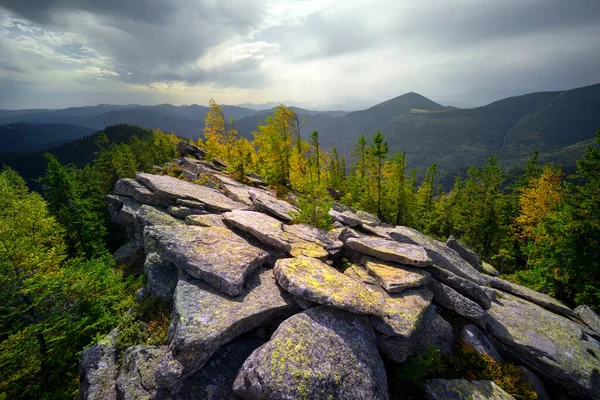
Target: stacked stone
point(225, 254)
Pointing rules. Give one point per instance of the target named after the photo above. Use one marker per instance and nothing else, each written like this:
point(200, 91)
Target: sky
point(319, 54)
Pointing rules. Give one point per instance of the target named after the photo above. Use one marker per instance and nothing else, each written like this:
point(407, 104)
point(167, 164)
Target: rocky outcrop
point(321, 353)
point(458, 389)
point(588, 316)
point(204, 320)
point(226, 302)
point(388, 250)
point(541, 299)
point(489, 270)
point(558, 349)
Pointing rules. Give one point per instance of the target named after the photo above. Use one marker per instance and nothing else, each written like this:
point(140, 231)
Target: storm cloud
point(318, 53)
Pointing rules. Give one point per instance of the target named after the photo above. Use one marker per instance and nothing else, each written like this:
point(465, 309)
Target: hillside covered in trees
point(62, 290)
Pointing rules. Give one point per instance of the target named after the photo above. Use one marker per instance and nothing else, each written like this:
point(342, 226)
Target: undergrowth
point(146, 324)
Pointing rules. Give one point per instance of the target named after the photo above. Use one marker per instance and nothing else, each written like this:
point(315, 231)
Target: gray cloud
point(313, 51)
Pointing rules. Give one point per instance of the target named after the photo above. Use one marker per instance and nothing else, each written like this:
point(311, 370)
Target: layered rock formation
point(227, 257)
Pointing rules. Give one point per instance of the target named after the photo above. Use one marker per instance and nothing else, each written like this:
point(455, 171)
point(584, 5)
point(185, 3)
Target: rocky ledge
point(264, 309)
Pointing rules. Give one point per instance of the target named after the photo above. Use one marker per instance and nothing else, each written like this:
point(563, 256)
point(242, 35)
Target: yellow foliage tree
point(219, 133)
point(537, 201)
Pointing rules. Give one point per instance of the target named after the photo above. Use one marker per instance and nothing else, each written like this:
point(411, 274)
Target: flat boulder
point(315, 235)
point(442, 256)
point(206, 220)
point(450, 299)
point(321, 353)
point(541, 299)
point(169, 188)
point(482, 295)
point(395, 278)
point(588, 316)
point(277, 208)
point(204, 320)
point(213, 254)
point(556, 348)
point(468, 255)
point(459, 389)
point(346, 217)
point(388, 250)
point(266, 229)
point(315, 281)
point(270, 232)
point(432, 331)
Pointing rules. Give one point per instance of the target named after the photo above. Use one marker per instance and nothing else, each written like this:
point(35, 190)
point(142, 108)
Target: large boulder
point(468, 255)
point(442, 255)
point(216, 255)
point(482, 295)
point(204, 320)
point(273, 206)
point(459, 389)
point(558, 349)
point(541, 299)
point(315, 281)
point(588, 316)
point(169, 189)
point(140, 193)
point(98, 370)
point(488, 269)
point(388, 250)
point(395, 278)
point(472, 336)
point(137, 375)
point(449, 298)
point(322, 353)
point(432, 331)
point(399, 314)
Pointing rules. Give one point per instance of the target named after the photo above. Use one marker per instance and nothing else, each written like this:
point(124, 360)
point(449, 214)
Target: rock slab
point(321, 353)
point(388, 250)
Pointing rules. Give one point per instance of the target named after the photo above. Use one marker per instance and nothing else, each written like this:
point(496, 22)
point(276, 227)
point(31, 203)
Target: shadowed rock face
point(468, 255)
point(560, 350)
point(454, 301)
point(136, 378)
point(482, 295)
point(169, 188)
point(322, 353)
point(433, 330)
point(215, 255)
point(471, 335)
point(98, 370)
point(204, 319)
point(388, 250)
point(459, 389)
